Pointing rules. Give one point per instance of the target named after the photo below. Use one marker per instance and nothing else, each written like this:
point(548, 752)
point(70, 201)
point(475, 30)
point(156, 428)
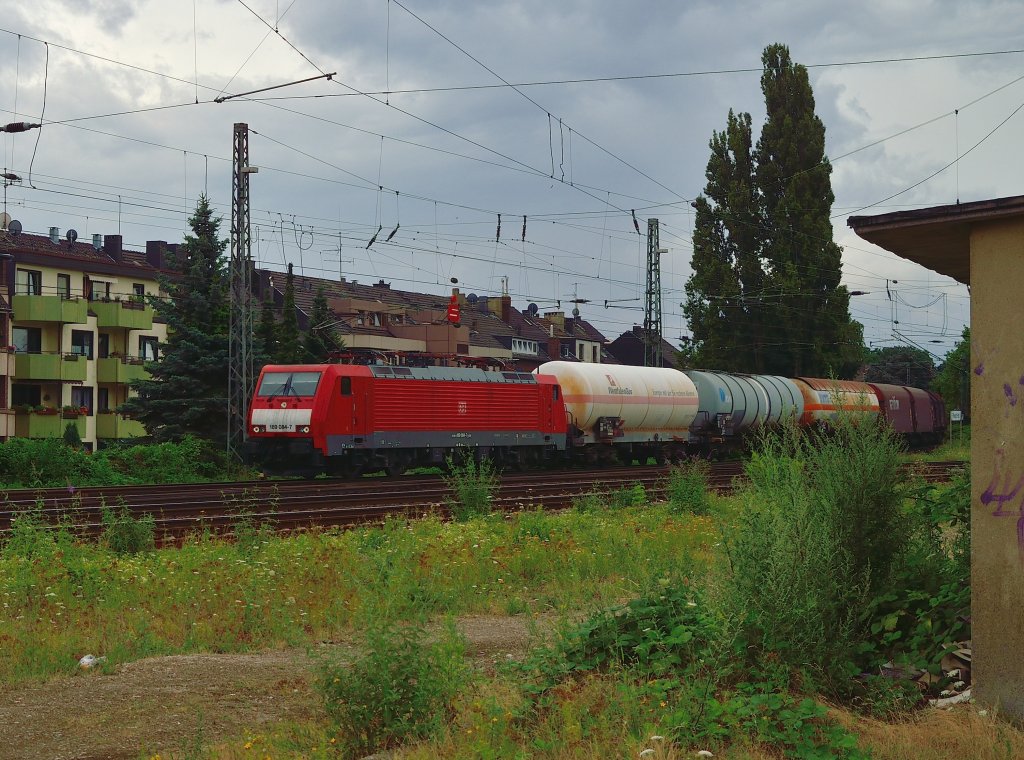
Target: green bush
point(916, 621)
point(50, 463)
point(652, 634)
point(72, 437)
point(687, 487)
point(31, 537)
point(624, 498)
point(401, 687)
point(189, 460)
point(123, 533)
point(53, 463)
point(822, 527)
point(473, 484)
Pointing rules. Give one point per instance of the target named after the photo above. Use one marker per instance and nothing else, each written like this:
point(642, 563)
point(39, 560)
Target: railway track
point(181, 509)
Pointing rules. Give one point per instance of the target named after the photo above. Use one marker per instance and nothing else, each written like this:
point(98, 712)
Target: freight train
point(349, 419)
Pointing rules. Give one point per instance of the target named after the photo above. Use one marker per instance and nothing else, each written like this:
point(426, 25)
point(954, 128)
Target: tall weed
point(687, 487)
point(401, 687)
point(822, 527)
point(473, 484)
point(124, 533)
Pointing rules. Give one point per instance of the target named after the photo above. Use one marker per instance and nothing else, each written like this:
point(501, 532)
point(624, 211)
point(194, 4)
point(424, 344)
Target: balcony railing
point(56, 308)
point(113, 425)
point(120, 369)
point(50, 366)
point(129, 314)
point(45, 424)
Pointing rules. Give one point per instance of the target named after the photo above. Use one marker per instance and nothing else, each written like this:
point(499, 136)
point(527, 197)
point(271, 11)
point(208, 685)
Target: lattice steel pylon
point(241, 365)
point(652, 301)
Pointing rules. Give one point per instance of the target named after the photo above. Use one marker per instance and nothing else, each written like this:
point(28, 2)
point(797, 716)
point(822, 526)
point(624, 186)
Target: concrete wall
point(997, 469)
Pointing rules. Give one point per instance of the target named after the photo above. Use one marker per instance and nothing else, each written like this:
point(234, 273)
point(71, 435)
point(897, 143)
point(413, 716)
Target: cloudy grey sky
point(127, 148)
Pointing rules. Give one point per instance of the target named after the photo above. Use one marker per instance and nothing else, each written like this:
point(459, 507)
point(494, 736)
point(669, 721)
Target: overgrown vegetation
point(714, 631)
point(473, 485)
point(52, 463)
point(401, 687)
point(821, 527)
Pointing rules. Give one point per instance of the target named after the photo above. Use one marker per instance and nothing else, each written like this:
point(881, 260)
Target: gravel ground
point(164, 703)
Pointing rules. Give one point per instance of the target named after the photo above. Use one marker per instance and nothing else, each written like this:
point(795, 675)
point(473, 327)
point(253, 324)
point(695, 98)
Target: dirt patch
point(173, 702)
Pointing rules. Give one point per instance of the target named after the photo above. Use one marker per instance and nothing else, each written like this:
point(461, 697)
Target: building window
point(103, 347)
point(23, 394)
point(148, 348)
point(81, 395)
point(64, 286)
point(579, 351)
point(138, 290)
point(593, 354)
point(28, 340)
point(30, 283)
point(103, 399)
point(81, 343)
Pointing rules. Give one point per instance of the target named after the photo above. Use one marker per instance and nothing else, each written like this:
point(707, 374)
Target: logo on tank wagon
point(463, 407)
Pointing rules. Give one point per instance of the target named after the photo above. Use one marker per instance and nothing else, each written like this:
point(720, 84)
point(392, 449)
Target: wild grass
point(61, 599)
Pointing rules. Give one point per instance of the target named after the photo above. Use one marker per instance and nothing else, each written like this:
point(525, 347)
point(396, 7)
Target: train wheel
point(397, 463)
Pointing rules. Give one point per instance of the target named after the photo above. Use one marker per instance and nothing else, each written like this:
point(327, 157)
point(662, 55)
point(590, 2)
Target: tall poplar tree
point(766, 232)
point(188, 387)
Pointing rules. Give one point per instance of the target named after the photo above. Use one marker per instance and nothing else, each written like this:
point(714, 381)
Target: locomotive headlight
point(304, 429)
point(258, 429)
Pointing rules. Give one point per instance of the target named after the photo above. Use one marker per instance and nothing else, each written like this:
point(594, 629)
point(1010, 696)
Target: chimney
point(556, 318)
point(156, 253)
point(97, 241)
point(55, 235)
point(554, 349)
point(382, 284)
point(506, 308)
point(112, 246)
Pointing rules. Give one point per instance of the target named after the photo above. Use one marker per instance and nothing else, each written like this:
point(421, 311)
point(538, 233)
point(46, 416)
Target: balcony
point(121, 369)
point(129, 315)
point(45, 425)
point(49, 367)
point(29, 308)
point(112, 425)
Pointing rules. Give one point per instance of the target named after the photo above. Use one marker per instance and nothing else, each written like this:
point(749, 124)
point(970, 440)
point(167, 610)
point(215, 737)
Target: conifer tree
point(321, 339)
point(266, 332)
point(290, 348)
point(187, 388)
point(765, 295)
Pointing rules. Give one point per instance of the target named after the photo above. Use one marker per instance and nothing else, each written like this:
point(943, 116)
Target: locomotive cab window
point(554, 392)
point(289, 384)
point(346, 386)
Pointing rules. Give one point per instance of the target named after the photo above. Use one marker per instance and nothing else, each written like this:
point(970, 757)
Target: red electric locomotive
point(347, 419)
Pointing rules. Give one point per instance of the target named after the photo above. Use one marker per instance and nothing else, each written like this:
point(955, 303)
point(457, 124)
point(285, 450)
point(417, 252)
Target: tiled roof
point(79, 255)
point(487, 330)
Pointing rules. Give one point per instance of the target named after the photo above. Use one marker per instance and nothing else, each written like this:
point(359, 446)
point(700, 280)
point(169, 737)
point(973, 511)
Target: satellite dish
point(532, 309)
point(14, 227)
point(575, 311)
point(5, 219)
point(72, 236)
point(472, 298)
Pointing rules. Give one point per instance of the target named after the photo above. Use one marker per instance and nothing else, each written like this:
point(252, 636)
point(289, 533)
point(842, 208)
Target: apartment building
point(75, 329)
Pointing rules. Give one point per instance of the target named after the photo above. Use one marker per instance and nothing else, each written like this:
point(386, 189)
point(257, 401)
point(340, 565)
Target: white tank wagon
point(613, 403)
